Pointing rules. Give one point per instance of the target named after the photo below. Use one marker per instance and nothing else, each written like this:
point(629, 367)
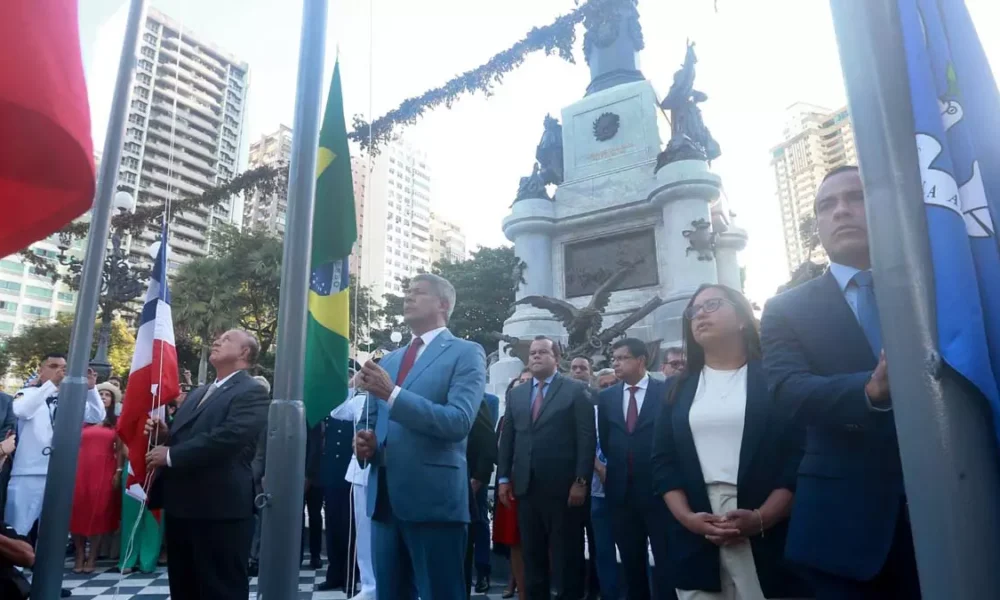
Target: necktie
point(409, 358)
point(868, 310)
point(536, 406)
point(211, 390)
point(632, 414)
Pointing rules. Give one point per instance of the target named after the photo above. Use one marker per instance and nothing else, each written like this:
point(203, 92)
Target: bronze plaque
point(591, 262)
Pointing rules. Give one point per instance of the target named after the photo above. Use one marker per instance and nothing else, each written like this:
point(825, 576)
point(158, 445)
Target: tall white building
point(184, 130)
point(267, 212)
point(815, 140)
point(447, 240)
point(397, 219)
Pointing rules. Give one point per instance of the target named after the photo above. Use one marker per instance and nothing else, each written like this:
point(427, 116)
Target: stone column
point(728, 245)
point(685, 190)
point(529, 226)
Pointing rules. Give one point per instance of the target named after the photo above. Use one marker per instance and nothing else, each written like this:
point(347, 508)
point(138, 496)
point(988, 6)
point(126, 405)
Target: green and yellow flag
point(334, 233)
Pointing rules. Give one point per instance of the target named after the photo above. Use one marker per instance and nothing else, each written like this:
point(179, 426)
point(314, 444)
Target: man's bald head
point(234, 350)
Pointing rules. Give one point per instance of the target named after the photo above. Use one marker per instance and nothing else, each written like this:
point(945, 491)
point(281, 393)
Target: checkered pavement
point(102, 583)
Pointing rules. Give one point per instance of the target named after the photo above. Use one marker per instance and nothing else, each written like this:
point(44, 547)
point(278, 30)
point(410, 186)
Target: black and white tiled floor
point(102, 584)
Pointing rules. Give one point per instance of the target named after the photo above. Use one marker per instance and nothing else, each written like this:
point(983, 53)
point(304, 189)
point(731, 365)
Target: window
point(133, 147)
point(137, 119)
point(143, 78)
point(45, 253)
point(140, 105)
point(10, 266)
point(141, 92)
point(127, 177)
point(6, 327)
point(37, 311)
point(6, 306)
point(145, 65)
point(130, 162)
point(147, 51)
point(66, 297)
point(153, 26)
point(38, 292)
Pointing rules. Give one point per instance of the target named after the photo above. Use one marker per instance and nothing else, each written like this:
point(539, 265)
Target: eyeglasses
point(677, 364)
point(708, 307)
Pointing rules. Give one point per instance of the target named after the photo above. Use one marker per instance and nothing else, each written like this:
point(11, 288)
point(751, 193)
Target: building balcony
point(188, 114)
point(195, 161)
point(166, 79)
point(189, 103)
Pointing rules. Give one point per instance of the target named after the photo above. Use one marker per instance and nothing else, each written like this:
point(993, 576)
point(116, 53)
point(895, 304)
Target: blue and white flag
point(956, 111)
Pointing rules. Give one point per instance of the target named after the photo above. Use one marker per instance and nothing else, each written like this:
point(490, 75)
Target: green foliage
point(27, 349)
point(203, 301)
point(5, 359)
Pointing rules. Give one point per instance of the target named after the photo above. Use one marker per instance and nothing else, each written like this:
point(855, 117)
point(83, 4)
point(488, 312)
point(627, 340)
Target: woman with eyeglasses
point(724, 461)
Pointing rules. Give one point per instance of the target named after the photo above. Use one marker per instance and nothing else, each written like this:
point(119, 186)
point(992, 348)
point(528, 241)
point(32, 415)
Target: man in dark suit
point(546, 459)
point(479, 528)
point(823, 354)
point(581, 369)
point(337, 453)
point(204, 480)
point(480, 456)
point(626, 414)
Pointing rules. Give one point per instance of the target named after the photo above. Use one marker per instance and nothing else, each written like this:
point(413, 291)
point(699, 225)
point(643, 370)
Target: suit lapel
point(216, 396)
point(430, 354)
point(654, 396)
point(550, 395)
point(687, 453)
point(835, 313)
point(756, 417)
point(188, 407)
point(616, 414)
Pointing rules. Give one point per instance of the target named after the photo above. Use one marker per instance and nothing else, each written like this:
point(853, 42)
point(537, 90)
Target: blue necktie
point(868, 310)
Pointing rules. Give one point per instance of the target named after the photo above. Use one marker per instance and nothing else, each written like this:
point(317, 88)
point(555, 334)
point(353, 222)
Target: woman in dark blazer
point(724, 462)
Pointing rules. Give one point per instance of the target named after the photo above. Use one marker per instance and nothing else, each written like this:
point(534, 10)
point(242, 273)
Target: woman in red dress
point(505, 529)
point(96, 501)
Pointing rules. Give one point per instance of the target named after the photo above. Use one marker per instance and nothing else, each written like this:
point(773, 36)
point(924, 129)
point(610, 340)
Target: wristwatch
point(580, 481)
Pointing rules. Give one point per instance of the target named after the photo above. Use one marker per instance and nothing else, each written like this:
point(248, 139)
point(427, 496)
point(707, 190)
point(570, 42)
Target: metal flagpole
point(943, 425)
point(284, 469)
point(46, 582)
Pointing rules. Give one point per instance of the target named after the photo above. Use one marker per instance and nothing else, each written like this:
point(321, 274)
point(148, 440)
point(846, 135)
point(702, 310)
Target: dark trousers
point(339, 534)
point(638, 519)
point(314, 507)
point(207, 559)
point(479, 533)
point(547, 522)
point(589, 574)
point(896, 581)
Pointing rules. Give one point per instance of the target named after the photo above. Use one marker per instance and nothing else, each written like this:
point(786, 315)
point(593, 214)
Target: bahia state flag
point(153, 381)
point(956, 111)
point(334, 233)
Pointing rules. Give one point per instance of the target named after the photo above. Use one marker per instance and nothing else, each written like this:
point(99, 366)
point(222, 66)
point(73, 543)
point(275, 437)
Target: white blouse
point(716, 420)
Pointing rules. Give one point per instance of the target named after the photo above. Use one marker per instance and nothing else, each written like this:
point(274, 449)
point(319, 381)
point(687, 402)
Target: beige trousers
point(739, 574)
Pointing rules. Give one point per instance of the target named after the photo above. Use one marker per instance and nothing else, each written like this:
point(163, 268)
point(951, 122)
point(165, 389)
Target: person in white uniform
point(35, 408)
point(353, 410)
point(725, 461)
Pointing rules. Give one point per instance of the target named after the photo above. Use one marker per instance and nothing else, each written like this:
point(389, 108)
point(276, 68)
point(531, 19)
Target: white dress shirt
point(716, 418)
point(35, 420)
point(427, 338)
point(640, 395)
point(218, 383)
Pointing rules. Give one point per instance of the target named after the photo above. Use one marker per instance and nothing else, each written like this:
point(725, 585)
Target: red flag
point(46, 154)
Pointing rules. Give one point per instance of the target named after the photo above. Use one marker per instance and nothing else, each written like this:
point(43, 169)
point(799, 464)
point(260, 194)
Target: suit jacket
point(314, 450)
point(493, 402)
point(420, 459)
point(481, 452)
point(211, 449)
point(617, 444)
point(556, 449)
point(336, 454)
point(770, 453)
point(850, 485)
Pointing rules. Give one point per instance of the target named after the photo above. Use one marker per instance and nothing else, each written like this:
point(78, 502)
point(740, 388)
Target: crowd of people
point(758, 461)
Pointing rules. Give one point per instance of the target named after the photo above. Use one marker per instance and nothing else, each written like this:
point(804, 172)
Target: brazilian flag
point(334, 234)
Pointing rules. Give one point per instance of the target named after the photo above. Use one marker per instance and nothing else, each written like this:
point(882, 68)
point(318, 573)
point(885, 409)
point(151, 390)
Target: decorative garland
point(557, 37)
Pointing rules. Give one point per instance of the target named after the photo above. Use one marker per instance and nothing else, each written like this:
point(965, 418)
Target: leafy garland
point(266, 180)
point(557, 37)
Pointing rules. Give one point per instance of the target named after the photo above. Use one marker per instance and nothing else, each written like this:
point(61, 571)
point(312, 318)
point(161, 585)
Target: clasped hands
point(723, 530)
point(159, 431)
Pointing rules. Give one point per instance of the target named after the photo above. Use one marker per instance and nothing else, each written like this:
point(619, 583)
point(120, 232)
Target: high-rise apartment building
point(816, 140)
point(184, 130)
point(447, 240)
point(359, 176)
point(396, 216)
point(267, 212)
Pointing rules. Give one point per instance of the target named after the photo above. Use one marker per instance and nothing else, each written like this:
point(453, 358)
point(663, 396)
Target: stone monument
point(631, 190)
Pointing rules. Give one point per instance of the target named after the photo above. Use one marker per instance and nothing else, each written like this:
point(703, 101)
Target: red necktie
point(409, 358)
point(631, 418)
point(536, 408)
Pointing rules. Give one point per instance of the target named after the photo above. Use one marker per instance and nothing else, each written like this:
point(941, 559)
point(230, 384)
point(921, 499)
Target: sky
point(755, 59)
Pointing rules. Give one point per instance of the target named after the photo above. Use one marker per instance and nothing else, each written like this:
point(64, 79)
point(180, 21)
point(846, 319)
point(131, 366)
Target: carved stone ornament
point(532, 186)
point(606, 126)
point(700, 239)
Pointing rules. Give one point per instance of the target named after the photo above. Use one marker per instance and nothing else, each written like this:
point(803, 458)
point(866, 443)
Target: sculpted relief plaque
point(590, 262)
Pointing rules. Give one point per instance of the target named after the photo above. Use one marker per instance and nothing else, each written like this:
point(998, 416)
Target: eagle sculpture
point(582, 324)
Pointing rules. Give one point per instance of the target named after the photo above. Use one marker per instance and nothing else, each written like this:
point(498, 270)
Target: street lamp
point(396, 337)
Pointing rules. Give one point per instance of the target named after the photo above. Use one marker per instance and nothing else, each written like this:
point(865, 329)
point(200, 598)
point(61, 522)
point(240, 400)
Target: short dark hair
point(674, 350)
point(839, 170)
point(636, 347)
point(49, 355)
point(584, 357)
point(556, 349)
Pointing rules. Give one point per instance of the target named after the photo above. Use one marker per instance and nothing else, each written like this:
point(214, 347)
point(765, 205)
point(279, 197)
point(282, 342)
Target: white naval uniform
point(35, 418)
point(353, 410)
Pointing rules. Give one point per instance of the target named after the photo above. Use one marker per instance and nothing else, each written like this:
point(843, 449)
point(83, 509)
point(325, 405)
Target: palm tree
point(204, 304)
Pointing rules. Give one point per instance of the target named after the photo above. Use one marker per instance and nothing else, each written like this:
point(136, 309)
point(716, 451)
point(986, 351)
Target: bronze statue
point(689, 137)
point(549, 152)
point(532, 186)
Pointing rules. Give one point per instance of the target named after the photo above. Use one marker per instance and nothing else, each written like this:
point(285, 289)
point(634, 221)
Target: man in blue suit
point(428, 394)
point(626, 414)
point(823, 354)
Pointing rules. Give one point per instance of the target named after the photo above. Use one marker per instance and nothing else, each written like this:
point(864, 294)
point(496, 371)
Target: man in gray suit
point(547, 460)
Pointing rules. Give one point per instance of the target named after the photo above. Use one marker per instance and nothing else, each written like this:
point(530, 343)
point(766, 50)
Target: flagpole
point(284, 469)
point(947, 447)
point(46, 581)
